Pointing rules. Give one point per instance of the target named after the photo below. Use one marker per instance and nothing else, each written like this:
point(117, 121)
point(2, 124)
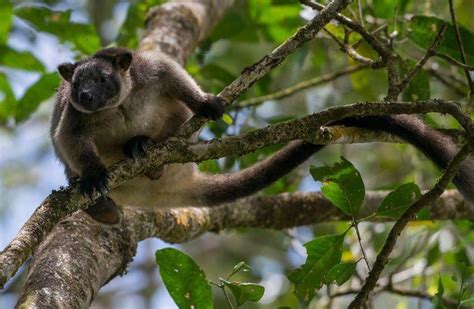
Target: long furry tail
point(438, 147)
point(215, 189)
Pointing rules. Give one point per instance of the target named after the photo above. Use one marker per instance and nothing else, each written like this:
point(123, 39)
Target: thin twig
point(301, 86)
point(229, 302)
point(361, 17)
point(253, 73)
point(448, 83)
point(429, 53)
point(356, 227)
point(67, 200)
point(389, 59)
point(371, 39)
point(350, 51)
point(460, 45)
point(453, 61)
point(399, 291)
point(417, 294)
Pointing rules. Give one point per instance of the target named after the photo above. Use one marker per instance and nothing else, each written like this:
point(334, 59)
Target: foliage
point(342, 185)
point(249, 31)
point(323, 253)
point(183, 278)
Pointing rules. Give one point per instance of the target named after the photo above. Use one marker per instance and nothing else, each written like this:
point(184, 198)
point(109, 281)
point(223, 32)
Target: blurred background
point(36, 41)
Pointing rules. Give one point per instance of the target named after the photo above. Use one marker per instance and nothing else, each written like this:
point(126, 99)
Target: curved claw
point(94, 180)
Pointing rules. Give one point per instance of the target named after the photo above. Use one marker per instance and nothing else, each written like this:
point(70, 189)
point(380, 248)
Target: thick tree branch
point(63, 266)
point(79, 255)
point(67, 200)
point(253, 73)
point(176, 27)
point(371, 39)
point(276, 212)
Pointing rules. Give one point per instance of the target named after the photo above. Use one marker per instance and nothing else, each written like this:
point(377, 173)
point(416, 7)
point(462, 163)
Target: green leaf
point(397, 201)
point(184, 280)
point(7, 99)
point(227, 119)
point(423, 30)
point(6, 17)
point(83, 36)
point(419, 87)
point(438, 298)
point(19, 59)
point(342, 185)
point(323, 253)
point(37, 93)
point(244, 292)
point(340, 273)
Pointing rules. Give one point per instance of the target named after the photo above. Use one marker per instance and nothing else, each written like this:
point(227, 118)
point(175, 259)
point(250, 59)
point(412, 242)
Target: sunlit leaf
point(397, 201)
point(184, 280)
point(6, 17)
point(227, 119)
point(342, 185)
point(7, 99)
point(323, 253)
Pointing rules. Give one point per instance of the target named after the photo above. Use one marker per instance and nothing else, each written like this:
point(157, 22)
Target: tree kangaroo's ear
point(67, 70)
point(123, 60)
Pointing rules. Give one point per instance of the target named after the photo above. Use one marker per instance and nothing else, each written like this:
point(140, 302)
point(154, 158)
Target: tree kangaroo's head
point(100, 81)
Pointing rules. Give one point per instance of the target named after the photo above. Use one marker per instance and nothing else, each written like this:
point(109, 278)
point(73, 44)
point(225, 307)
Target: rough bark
point(176, 27)
point(80, 255)
point(65, 201)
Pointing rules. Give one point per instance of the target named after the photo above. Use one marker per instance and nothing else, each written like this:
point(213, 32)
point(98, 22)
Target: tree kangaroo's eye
point(103, 80)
